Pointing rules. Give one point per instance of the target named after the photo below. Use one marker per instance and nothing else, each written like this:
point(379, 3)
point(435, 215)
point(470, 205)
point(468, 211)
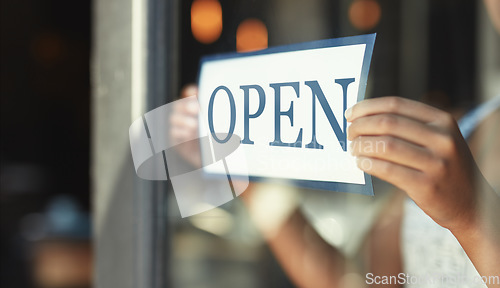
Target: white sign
point(287, 106)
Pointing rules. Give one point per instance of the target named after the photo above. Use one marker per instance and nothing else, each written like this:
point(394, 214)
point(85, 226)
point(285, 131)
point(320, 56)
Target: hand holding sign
point(426, 156)
point(423, 151)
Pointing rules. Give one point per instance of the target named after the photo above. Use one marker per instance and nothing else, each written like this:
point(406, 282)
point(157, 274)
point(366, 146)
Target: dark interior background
point(45, 118)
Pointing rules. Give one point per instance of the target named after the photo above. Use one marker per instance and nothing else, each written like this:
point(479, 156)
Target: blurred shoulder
point(485, 146)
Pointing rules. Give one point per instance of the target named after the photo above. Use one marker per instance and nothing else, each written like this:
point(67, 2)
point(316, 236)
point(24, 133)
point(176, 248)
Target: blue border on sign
point(369, 40)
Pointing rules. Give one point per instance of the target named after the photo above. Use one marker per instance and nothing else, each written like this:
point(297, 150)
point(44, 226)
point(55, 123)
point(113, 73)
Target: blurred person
point(448, 224)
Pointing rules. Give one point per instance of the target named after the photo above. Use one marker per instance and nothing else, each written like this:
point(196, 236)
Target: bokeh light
point(206, 20)
point(251, 35)
point(365, 14)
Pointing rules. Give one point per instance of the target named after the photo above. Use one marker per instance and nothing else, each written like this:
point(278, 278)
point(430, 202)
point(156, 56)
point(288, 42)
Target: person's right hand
point(184, 126)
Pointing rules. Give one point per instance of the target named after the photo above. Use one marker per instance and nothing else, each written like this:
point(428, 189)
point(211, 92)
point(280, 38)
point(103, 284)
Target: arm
point(304, 256)
point(307, 258)
point(420, 150)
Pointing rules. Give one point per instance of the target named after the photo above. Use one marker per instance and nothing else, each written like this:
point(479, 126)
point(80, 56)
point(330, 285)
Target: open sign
point(287, 105)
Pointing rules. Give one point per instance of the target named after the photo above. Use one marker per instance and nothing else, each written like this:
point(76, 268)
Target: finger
point(394, 105)
point(403, 177)
point(188, 106)
point(181, 134)
point(192, 107)
point(183, 122)
point(394, 150)
point(394, 125)
point(189, 90)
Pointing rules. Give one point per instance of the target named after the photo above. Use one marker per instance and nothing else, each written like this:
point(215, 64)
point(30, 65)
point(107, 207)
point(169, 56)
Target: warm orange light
point(206, 20)
point(251, 35)
point(365, 14)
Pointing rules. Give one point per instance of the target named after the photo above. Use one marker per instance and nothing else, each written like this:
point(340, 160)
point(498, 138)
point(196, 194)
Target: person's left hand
point(419, 149)
point(184, 126)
